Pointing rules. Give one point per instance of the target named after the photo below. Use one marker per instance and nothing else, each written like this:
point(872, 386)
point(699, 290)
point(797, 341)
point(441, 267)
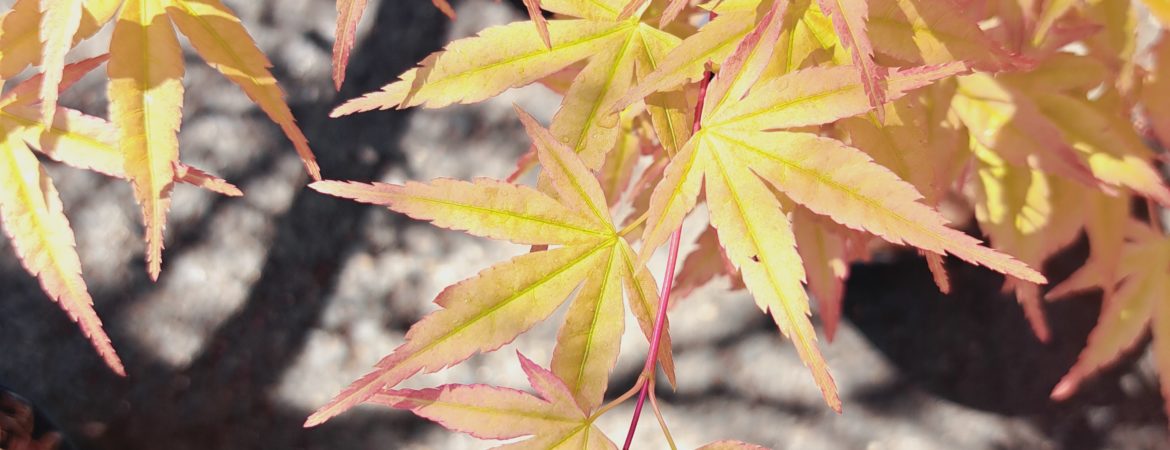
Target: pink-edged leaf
point(34, 218)
point(349, 13)
point(59, 22)
point(479, 314)
point(849, 19)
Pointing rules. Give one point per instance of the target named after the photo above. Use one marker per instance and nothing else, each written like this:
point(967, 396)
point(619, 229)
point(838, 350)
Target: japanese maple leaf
point(349, 14)
point(736, 156)
point(490, 309)
point(146, 93)
point(616, 53)
point(1138, 301)
point(1157, 90)
point(1029, 215)
point(552, 418)
point(30, 208)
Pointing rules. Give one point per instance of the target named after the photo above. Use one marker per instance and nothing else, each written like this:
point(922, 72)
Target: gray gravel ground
point(270, 303)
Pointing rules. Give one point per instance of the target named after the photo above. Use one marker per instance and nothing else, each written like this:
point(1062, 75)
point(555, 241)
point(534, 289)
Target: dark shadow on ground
point(974, 347)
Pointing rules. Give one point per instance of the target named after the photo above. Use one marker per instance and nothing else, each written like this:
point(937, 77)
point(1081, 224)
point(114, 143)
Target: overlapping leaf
point(146, 94)
point(487, 311)
point(1138, 301)
point(551, 418)
point(822, 174)
point(30, 207)
point(616, 52)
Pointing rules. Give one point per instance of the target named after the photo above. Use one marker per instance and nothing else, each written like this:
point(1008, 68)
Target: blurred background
point(271, 303)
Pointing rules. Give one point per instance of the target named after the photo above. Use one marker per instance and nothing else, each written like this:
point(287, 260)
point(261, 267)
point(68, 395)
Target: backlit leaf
point(146, 98)
point(34, 219)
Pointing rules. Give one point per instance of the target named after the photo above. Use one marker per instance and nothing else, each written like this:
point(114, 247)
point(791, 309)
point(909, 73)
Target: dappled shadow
point(224, 397)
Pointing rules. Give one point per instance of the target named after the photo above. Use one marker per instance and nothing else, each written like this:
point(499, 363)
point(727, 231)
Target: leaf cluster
point(816, 132)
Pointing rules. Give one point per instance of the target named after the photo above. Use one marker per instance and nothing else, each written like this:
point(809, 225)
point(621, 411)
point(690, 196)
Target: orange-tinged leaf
point(90, 143)
point(349, 13)
point(1012, 125)
point(196, 177)
point(146, 98)
point(1115, 154)
point(1105, 219)
point(800, 43)
point(841, 182)
point(1062, 72)
point(933, 32)
point(1157, 90)
point(34, 219)
point(20, 43)
point(59, 22)
point(489, 310)
point(902, 144)
point(218, 36)
point(483, 207)
point(550, 417)
point(1126, 313)
point(759, 241)
point(479, 67)
point(938, 271)
point(816, 96)
point(28, 91)
point(1116, 43)
point(145, 104)
point(849, 19)
point(479, 314)
point(1028, 215)
point(824, 254)
point(671, 12)
point(445, 7)
point(1053, 10)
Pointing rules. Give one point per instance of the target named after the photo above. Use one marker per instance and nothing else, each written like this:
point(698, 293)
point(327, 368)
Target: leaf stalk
point(667, 284)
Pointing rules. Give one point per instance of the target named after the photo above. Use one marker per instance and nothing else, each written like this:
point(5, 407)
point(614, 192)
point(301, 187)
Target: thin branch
point(667, 284)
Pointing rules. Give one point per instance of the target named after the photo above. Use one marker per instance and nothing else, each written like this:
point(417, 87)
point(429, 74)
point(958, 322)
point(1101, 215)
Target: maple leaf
point(490, 309)
point(552, 418)
point(917, 133)
point(34, 219)
point(849, 17)
point(30, 206)
point(822, 174)
point(146, 94)
point(1157, 90)
point(21, 35)
point(1138, 301)
point(59, 22)
point(1029, 215)
point(615, 52)
point(349, 13)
